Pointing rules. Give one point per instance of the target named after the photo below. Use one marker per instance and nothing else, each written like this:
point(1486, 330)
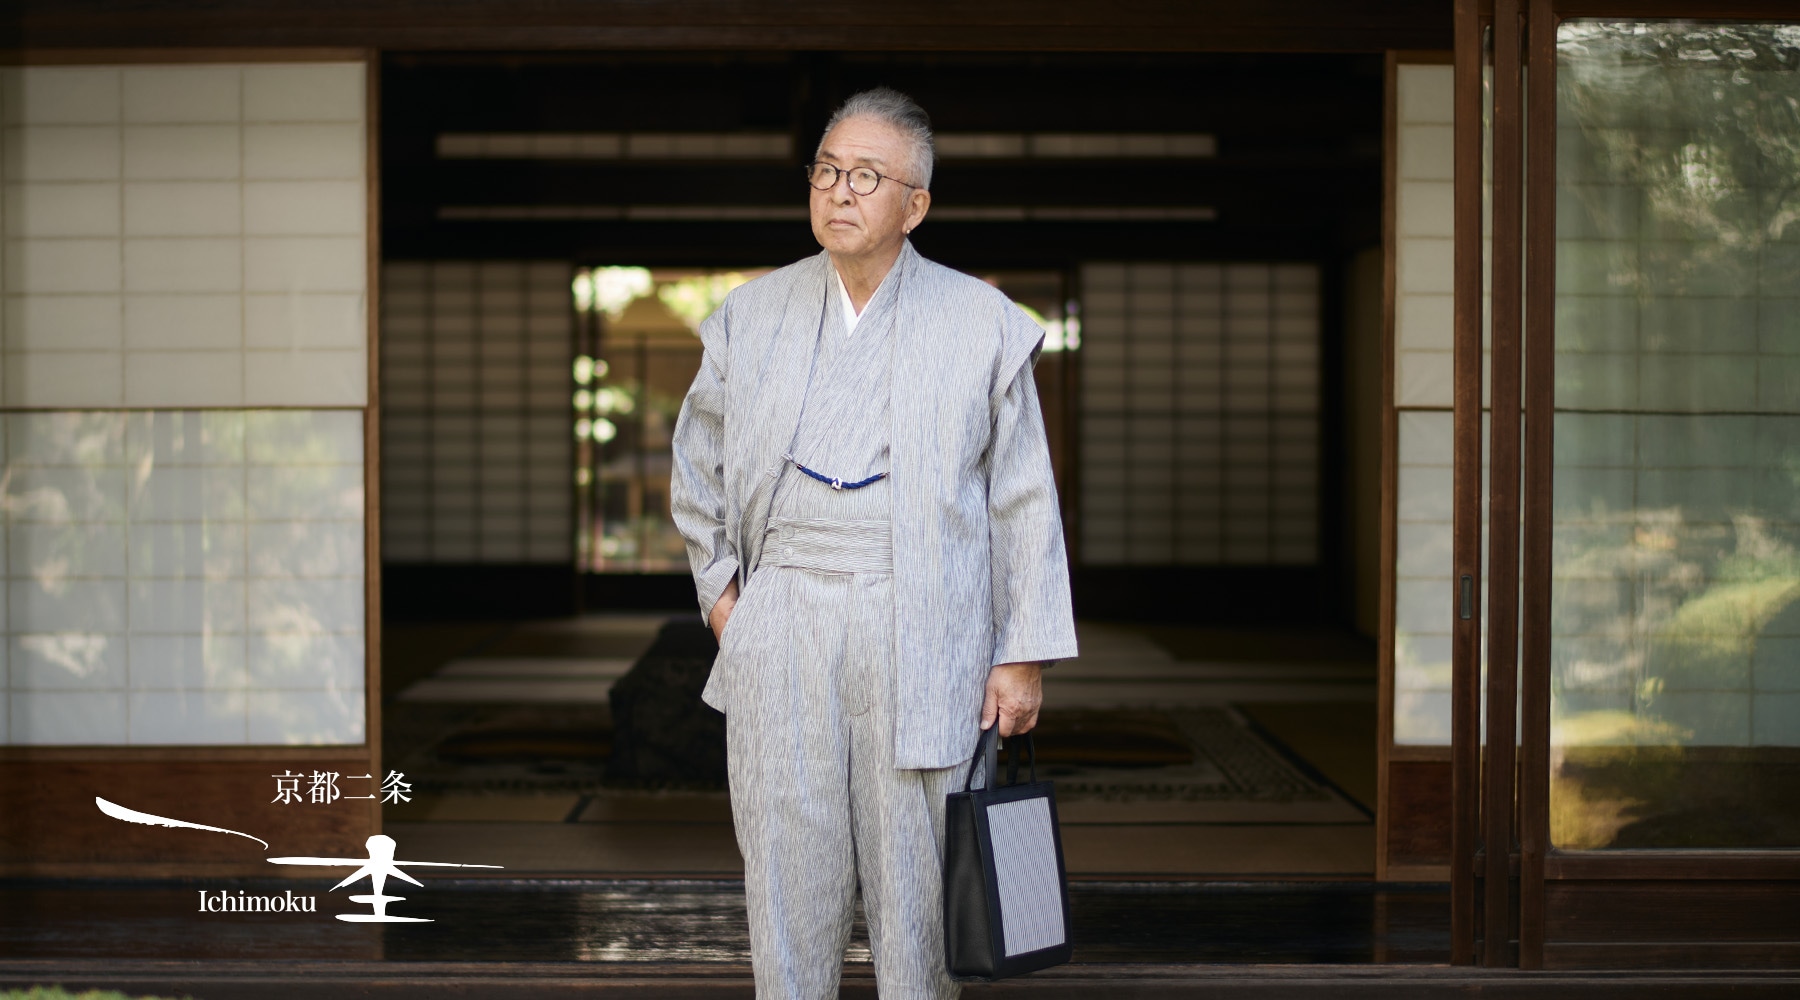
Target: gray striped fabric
point(979, 571)
point(829, 546)
point(820, 810)
point(846, 400)
point(1025, 869)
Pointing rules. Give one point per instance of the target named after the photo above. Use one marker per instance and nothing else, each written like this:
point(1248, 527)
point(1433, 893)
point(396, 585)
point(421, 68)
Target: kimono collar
point(883, 291)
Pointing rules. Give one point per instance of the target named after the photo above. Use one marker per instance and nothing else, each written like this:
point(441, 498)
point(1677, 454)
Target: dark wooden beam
point(1062, 25)
point(1778, 10)
point(50, 826)
point(968, 246)
point(1465, 681)
point(1540, 402)
point(1499, 776)
point(1277, 99)
point(1274, 189)
point(1296, 176)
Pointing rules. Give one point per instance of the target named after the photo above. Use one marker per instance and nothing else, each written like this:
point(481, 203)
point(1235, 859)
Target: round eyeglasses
point(863, 180)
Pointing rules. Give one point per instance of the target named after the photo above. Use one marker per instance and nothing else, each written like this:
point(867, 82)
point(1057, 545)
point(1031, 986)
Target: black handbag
point(1006, 897)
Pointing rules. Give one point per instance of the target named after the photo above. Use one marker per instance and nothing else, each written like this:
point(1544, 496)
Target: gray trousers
point(818, 805)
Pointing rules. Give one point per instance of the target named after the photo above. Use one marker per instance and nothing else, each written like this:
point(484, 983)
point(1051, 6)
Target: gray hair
point(893, 108)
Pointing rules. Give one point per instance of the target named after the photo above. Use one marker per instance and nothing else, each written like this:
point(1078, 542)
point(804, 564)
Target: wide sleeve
point(1033, 616)
point(697, 470)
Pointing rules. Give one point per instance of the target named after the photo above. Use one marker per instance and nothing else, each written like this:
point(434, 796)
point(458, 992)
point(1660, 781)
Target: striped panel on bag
point(1031, 909)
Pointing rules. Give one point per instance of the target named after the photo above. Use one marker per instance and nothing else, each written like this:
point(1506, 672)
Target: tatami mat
point(520, 690)
point(1120, 665)
point(1320, 708)
point(528, 680)
point(538, 667)
point(572, 661)
point(1212, 849)
point(703, 848)
point(1334, 738)
point(587, 849)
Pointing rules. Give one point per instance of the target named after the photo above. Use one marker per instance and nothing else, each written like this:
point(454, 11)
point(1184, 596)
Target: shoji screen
point(1199, 414)
point(1423, 303)
point(185, 332)
point(477, 425)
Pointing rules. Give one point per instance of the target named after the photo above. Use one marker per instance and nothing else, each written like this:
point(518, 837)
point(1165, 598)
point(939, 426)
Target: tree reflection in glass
point(1676, 593)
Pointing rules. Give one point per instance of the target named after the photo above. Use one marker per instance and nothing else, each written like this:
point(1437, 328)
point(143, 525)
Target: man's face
point(853, 225)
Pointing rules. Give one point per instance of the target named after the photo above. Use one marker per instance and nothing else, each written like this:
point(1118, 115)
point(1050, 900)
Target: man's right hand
point(721, 610)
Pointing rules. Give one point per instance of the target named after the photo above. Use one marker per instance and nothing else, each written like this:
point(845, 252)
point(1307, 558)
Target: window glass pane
point(1675, 654)
point(182, 577)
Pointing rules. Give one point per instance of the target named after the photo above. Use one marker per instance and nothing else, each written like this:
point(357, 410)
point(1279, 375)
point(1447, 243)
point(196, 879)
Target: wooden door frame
point(1466, 572)
point(1411, 776)
point(1520, 498)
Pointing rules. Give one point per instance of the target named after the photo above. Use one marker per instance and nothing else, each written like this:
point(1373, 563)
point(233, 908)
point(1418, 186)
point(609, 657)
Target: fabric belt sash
point(828, 545)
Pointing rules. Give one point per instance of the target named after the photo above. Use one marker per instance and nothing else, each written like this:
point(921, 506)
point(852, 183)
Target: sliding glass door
point(1644, 492)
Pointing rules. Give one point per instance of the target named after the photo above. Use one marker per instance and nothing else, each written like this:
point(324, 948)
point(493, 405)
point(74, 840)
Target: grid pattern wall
point(179, 236)
point(183, 577)
point(1425, 575)
point(1200, 414)
point(1424, 582)
point(477, 430)
point(1424, 565)
point(1424, 231)
point(182, 247)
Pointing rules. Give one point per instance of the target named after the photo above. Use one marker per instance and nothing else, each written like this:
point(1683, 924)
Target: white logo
point(287, 902)
point(379, 866)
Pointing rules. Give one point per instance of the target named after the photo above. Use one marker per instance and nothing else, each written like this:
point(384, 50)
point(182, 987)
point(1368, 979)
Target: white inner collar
point(849, 309)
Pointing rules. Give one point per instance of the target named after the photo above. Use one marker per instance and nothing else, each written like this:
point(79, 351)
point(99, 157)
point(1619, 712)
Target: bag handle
point(1012, 758)
point(987, 752)
point(987, 758)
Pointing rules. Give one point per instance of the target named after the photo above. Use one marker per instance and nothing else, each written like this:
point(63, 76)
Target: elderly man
point(861, 474)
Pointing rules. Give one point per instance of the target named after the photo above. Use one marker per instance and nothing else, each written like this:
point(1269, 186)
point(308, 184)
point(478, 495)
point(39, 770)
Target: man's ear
point(918, 205)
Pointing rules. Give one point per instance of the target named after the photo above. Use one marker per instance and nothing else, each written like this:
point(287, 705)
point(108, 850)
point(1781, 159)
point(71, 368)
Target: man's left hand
point(1014, 693)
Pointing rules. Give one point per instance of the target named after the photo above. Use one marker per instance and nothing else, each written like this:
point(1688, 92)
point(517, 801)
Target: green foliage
point(693, 299)
point(1704, 120)
point(58, 993)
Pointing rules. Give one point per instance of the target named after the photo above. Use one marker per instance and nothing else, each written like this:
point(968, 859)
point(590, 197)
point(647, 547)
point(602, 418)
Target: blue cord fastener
point(834, 482)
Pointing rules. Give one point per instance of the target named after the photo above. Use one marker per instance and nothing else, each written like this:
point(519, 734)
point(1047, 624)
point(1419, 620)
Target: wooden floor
point(673, 940)
point(608, 923)
point(238, 980)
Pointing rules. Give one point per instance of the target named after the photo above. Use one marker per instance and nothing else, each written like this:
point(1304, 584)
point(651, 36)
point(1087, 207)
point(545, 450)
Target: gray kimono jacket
point(980, 575)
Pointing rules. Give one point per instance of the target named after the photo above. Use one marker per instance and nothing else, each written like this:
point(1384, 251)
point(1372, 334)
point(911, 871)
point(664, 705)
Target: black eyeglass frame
point(812, 167)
